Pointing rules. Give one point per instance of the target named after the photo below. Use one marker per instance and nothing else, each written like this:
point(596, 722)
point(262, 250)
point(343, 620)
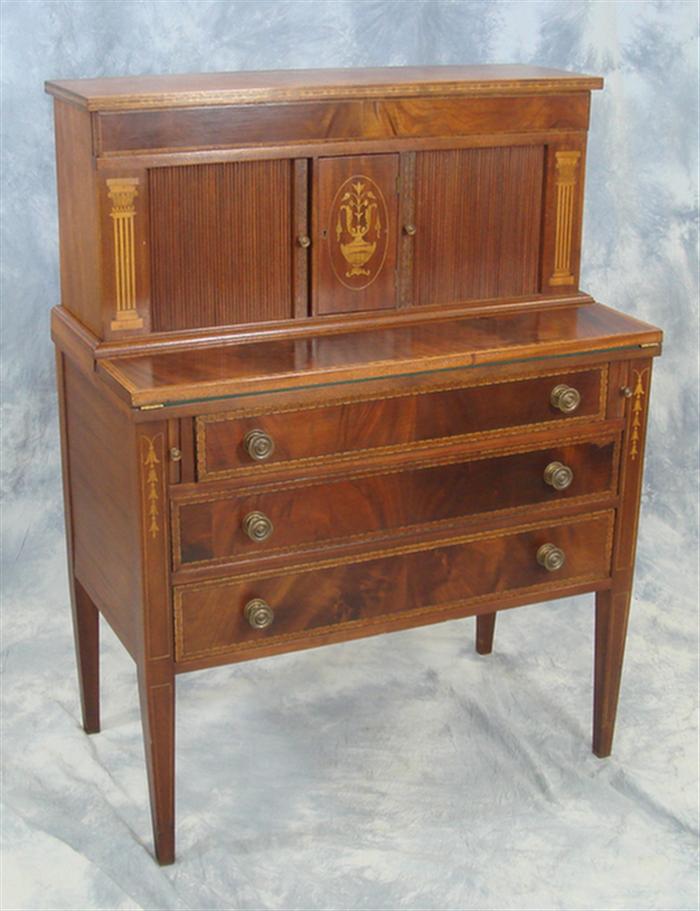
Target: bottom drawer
point(306, 602)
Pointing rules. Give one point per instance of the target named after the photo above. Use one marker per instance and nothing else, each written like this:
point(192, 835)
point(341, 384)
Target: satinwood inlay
point(359, 241)
point(122, 192)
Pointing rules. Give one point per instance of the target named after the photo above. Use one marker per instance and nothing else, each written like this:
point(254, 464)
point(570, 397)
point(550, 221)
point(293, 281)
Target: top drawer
point(232, 443)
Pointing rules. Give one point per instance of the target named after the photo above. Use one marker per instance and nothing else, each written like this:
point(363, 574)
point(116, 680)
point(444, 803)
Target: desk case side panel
point(104, 502)
point(78, 215)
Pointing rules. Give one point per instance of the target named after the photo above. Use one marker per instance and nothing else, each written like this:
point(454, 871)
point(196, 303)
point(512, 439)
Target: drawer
point(210, 529)
point(227, 444)
point(405, 585)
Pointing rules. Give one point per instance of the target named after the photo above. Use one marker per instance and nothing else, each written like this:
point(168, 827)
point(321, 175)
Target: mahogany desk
point(325, 370)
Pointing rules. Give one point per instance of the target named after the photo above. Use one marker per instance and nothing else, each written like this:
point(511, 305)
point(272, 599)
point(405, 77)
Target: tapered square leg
point(611, 616)
point(485, 624)
point(157, 696)
point(86, 632)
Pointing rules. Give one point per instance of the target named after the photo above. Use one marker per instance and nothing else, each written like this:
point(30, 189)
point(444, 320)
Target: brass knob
point(259, 613)
point(565, 398)
point(558, 475)
point(257, 526)
point(410, 230)
point(259, 445)
point(551, 557)
point(304, 241)
point(626, 392)
point(175, 454)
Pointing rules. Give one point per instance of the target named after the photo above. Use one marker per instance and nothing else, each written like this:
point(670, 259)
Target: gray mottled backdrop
point(400, 772)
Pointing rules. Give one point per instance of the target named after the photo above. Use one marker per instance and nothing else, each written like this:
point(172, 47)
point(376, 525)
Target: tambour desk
point(325, 370)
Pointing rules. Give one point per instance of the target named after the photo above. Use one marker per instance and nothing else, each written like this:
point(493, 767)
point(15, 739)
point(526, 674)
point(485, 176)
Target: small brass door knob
point(304, 241)
point(257, 526)
point(626, 392)
point(565, 398)
point(259, 445)
point(558, 475)
point(410, 230)
point(175, 454)
point(551, 557)
point(259, 613)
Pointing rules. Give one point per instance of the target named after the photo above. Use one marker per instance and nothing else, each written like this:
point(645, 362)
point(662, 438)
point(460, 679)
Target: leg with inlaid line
point(485, 624)
point(628, 398)
point(157, 696)
point(611, 616)
point(86, 632)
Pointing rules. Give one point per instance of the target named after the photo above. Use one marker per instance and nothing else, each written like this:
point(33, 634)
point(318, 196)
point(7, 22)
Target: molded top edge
point(249, 87)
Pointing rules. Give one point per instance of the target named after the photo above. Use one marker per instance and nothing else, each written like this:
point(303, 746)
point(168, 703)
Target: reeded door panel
point(478, 224)
point(221, 244)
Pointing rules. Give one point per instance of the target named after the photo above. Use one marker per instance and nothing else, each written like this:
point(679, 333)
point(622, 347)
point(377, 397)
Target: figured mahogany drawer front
point(409, 583)
point(208, 529)
point(228, 445)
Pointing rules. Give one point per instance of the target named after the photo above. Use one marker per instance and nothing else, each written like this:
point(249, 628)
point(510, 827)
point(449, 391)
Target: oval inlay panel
point(358, 232)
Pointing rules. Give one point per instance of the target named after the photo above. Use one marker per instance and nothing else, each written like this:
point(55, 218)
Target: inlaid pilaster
point(122, 192)
point(567, 167)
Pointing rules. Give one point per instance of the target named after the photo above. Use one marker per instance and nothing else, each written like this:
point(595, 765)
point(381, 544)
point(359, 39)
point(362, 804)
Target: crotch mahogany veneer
point(325, 370)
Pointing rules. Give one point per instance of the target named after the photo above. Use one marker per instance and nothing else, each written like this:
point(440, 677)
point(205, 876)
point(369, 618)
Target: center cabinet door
point(355, 236)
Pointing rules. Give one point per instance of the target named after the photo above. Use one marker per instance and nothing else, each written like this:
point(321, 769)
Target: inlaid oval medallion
point(358, 232)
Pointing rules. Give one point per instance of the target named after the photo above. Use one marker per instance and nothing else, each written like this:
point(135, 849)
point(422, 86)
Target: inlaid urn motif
point(359, 233)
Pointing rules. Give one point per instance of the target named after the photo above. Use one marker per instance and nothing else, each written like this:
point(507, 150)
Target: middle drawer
point(210, 528)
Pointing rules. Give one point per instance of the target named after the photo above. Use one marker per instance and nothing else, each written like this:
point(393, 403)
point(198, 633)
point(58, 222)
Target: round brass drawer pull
point(257, 526)
point(175, 454)
point(565, 398)
point(410, 230)
point(259, 613)
point(304, 241)
point(259, 445)
point(558, 475)
point(551, 557)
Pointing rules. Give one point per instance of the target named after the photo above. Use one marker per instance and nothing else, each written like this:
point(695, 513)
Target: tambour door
point(355, 216)
point(478, 223)
point(223, 243)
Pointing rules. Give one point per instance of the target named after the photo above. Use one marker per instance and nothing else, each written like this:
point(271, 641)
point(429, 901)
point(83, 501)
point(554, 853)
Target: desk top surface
point(232, 370)
point(250, 87)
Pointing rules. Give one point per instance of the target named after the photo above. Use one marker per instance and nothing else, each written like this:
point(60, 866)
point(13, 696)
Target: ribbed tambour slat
point(221, 244)
point(478, 214)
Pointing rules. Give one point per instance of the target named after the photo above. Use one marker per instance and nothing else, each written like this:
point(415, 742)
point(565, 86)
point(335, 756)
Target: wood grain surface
point(201, 89)
point(478, 221)
point(398, 420)
point(200, 373)
point(209, 617)
point(78, 216)
point(221, 240)
point(355, 235)
point(317, 122)
point(209, 528)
